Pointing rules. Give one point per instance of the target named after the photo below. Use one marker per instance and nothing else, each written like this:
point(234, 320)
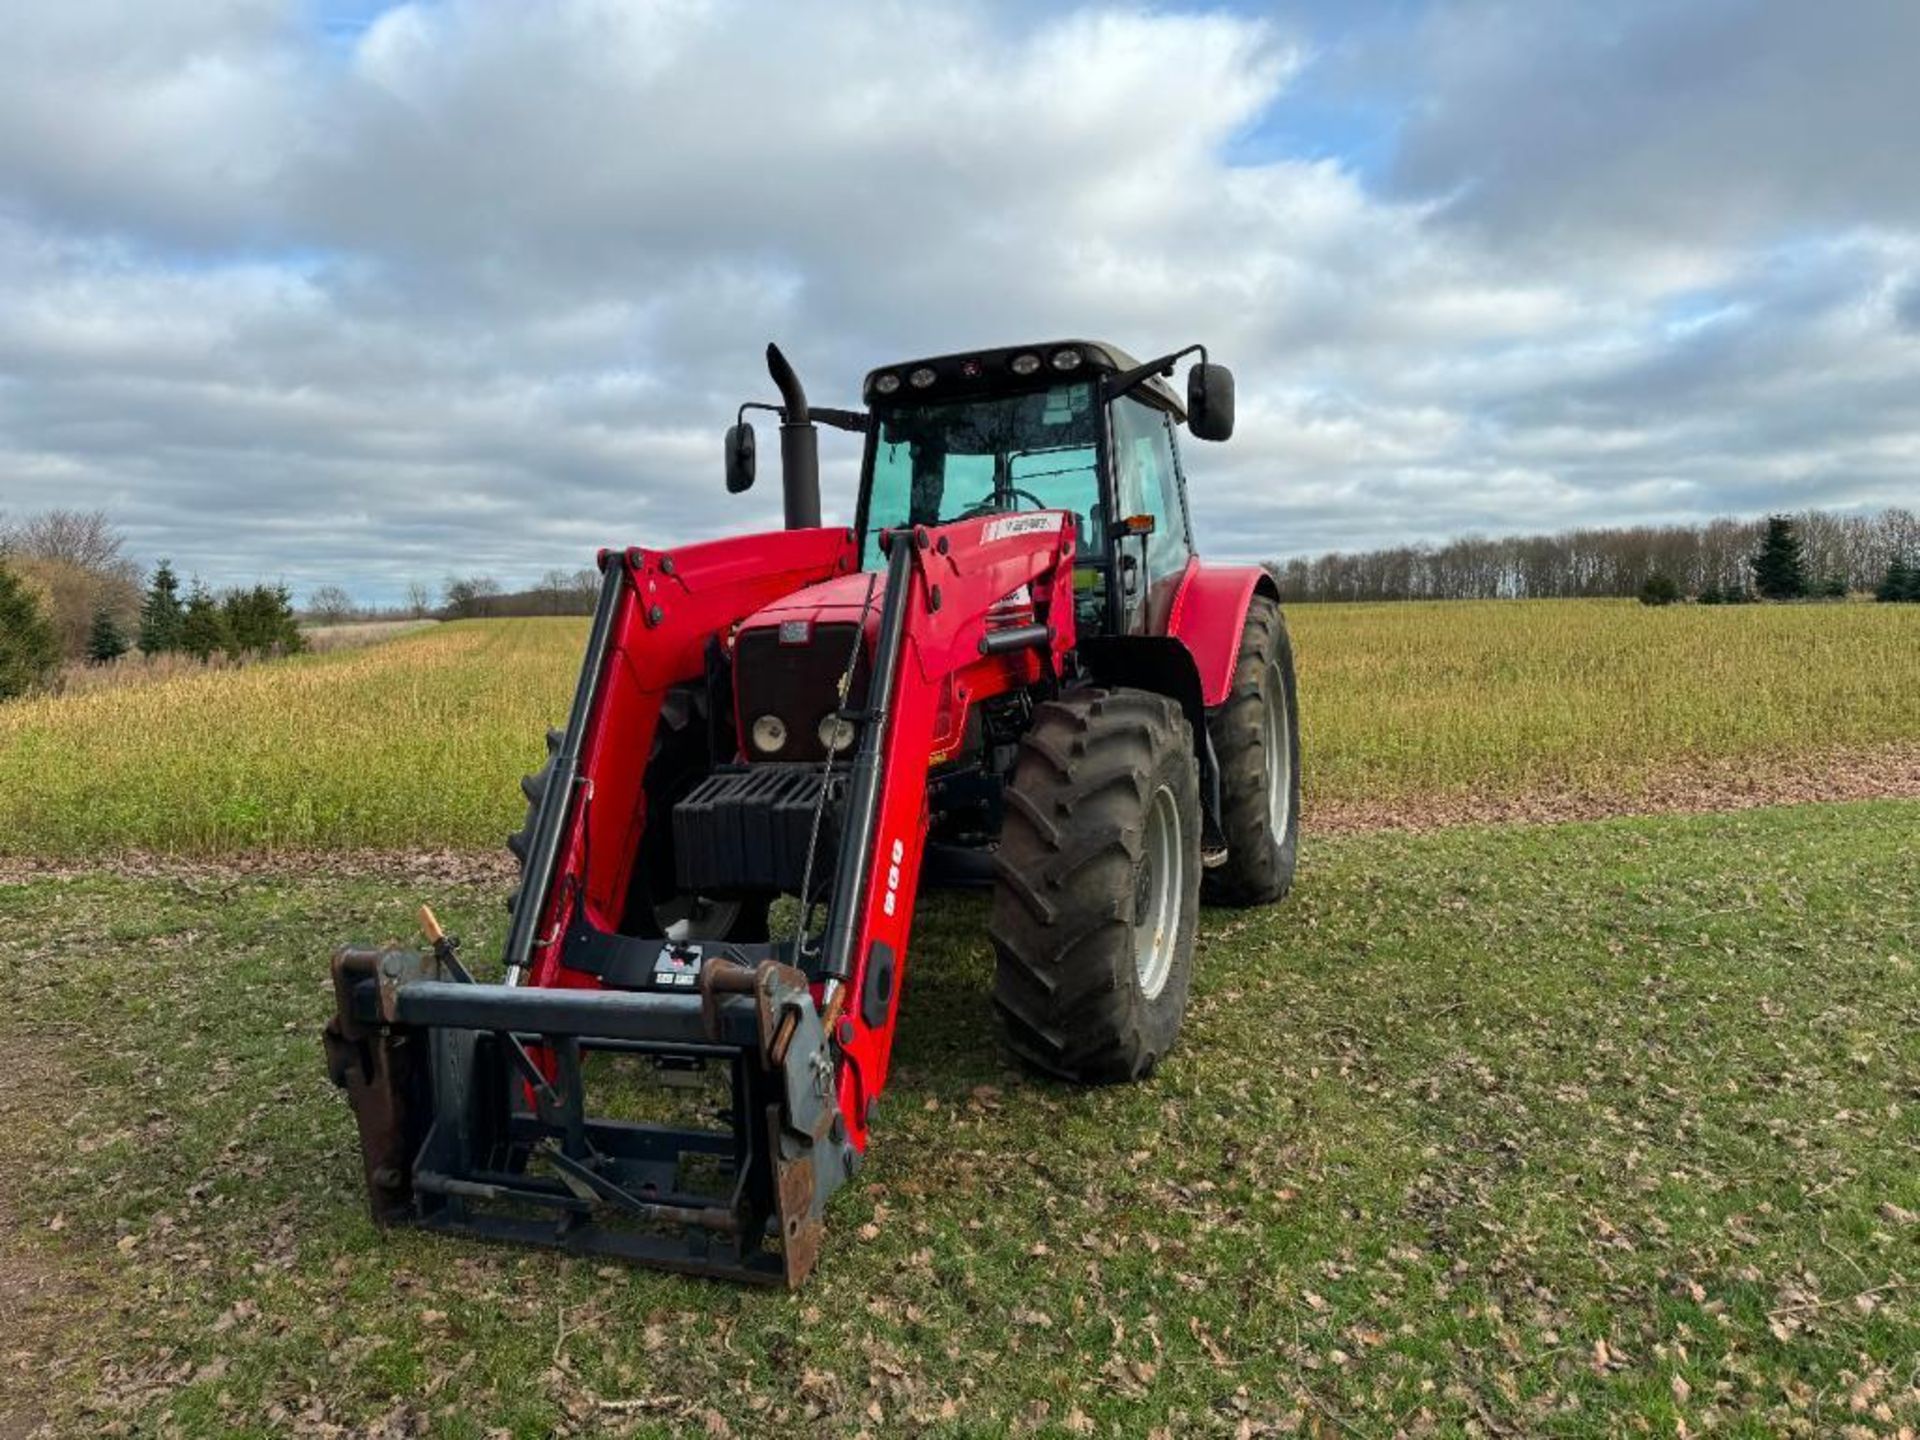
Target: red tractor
point(1012, 671)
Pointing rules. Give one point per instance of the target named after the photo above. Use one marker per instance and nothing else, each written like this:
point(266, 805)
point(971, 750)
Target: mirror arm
point(854, 420)
point(1129, 380)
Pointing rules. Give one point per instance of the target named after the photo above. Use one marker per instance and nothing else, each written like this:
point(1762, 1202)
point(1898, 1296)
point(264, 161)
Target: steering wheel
point(990, 505)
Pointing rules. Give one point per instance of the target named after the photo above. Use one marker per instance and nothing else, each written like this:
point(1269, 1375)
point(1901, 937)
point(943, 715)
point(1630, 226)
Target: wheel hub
point(1279, 757)
point(1158, 887)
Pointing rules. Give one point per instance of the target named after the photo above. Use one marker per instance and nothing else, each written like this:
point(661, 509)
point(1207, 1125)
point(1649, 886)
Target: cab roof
point(991, 372)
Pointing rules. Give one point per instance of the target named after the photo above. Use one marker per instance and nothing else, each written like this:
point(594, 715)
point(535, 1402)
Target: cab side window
point(1148, 482)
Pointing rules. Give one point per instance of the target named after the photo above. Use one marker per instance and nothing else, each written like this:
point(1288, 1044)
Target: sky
point(338, 292)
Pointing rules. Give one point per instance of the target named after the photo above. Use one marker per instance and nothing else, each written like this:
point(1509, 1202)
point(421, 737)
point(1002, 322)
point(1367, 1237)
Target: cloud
point(477, 286)
point(1648, 124)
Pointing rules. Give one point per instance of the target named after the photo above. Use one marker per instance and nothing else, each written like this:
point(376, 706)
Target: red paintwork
point(1209, 612)
point(830, 602)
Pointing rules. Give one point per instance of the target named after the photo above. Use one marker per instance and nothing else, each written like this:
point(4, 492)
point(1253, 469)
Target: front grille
point(796, 682)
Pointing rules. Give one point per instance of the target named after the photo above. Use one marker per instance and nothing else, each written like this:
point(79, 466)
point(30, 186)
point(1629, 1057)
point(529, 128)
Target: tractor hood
point(838, 601)
point(843, 600)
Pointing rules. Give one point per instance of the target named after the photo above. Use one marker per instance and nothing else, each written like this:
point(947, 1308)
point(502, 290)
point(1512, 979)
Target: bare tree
point(469, 597)
point(554, 588)
point(419, 599)
point(79, 562)
point(330, 605)
point(85, 540)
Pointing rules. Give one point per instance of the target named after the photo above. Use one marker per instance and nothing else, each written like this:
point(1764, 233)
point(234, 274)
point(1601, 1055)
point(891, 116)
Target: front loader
point(1011, 672)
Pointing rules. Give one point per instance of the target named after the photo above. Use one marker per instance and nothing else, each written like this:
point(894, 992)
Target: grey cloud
point(480, 290)
point(1665, 124)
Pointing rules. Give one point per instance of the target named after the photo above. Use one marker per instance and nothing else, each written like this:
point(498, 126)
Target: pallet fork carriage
point(954, 684)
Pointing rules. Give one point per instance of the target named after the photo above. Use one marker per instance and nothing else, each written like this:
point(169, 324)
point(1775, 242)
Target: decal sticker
point(1020, 525)
point(677, 966)
point(892, 898)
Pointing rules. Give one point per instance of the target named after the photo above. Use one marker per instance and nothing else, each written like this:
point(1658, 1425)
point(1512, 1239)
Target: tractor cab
point(1069, 425)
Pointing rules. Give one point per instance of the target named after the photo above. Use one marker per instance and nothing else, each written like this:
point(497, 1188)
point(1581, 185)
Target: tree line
point(255, 620)
point(464, 597)
point(69, 593)
point(1852, 553)
point(1780, 571)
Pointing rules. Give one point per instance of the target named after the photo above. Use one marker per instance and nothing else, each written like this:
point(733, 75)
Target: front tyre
point(1256, 742)
point(1097, 886)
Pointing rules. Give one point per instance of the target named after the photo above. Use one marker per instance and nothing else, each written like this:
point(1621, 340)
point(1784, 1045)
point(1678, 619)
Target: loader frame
point(473, 1100)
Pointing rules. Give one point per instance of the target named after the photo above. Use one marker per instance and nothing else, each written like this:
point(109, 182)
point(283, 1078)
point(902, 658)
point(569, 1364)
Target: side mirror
point(740, 458)
point(1210, 401)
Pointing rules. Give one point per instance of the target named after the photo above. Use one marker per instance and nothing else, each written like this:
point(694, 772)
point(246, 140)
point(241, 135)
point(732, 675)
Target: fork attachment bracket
point(454, 1135)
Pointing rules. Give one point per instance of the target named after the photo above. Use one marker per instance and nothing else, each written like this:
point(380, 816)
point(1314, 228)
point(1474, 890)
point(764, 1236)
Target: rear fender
point(1208, 615)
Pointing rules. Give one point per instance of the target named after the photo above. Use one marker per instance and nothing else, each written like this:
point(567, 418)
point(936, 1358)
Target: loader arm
point(472, 1098)
point(935, 640)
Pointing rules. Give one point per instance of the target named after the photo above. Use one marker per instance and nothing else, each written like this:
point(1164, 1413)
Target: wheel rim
point(1157, 892)
point(1279, 757)
point(695, 917)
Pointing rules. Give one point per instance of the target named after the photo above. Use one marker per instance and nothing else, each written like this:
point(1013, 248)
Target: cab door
point(1149, 494)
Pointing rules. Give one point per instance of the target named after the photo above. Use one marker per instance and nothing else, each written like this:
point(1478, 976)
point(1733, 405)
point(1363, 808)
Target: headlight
point(887, 384)
point(1024, 364)
point(1066, 359)
point(769, 734)
point(836, 734)
point(921, 378)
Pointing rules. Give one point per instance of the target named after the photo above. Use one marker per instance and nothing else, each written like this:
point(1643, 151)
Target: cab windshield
point(954, 460)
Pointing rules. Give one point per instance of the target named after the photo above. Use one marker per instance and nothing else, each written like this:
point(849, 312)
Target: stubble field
point(1407, 710)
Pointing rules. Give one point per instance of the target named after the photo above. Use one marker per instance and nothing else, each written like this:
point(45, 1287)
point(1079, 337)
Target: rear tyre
point(1256, 742)
point(678, 762)
point(1096, 888)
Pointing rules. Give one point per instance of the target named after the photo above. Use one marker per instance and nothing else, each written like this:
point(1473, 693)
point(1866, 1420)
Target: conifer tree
point(1779, 573)
point(105, 643)
point(28, 650)
point(160, 613)
point(203, 628)
point(1659, 589)
point(1902, 582)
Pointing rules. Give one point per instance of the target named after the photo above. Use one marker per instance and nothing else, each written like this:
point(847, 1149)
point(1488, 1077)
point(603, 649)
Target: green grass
point(419, 742)
point(1468, 1108)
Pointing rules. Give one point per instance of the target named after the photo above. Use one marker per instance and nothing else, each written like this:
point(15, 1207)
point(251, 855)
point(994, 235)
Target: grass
point(417, 742)
point(1571, 1130)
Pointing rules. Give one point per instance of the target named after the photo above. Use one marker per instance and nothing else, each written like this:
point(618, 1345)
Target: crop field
point(1587, 1129)
point(417, 742)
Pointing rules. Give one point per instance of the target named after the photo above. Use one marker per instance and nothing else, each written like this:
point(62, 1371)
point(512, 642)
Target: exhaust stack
point(799, 447)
